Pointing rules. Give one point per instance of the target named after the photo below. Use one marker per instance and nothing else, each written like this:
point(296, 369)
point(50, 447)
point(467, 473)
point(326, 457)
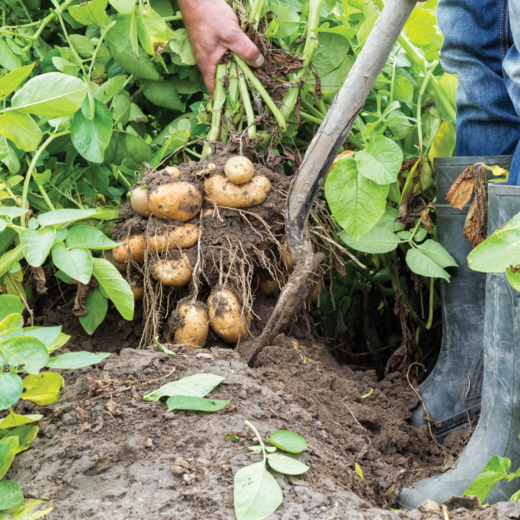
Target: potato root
point(136, 245)
point(239, 170)
point(224, 193)
point(176, 201)
point(139, 201)
point(194, 325)
point(227, 318)
point(174, 273)
point(180, 237)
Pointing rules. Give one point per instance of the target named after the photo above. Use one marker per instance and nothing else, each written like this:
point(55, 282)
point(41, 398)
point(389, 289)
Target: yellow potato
point(136, 245)
point(182, 236)
point(139, 201)
point(239, 170)
point(224, 193)
point(269, 287)
point(107, 255)
point(172, 171)
point(176, 201)
point(194, 325)
point(174, 273)
point(137, 289)
point(227, 318)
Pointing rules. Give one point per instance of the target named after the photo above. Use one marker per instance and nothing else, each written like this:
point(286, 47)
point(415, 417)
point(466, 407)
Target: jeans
point(479, 46)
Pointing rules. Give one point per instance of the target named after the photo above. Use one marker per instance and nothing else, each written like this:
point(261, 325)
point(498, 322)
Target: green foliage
point(198, 385)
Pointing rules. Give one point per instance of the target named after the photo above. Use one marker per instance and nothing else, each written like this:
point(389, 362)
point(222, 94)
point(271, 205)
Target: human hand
point(213, 29)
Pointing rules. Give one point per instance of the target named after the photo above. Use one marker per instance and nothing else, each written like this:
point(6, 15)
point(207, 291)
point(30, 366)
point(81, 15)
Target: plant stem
point(101, 38)
point(246, 101)
point(430, 314)
point(254, 15)
point(310, 118)
point(173, 18)
point(419, 105)
point(249, 425)
point(312, 109)
point(10, 258)
point(257, 84)
point(231, 101)
point(28, 175)
point(219, 98)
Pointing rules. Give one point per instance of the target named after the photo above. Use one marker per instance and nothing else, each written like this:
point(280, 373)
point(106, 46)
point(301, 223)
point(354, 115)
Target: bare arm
point(213, 29)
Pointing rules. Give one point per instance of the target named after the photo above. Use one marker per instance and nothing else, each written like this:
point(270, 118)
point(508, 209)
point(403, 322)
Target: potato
point(194, 324)
point(176, 201)
point(136, 244)
point(136, 284)
point(174, 273)
point(239, 170)
point(269, 287)
point(183, 237)
point(172, 171)
point(139, 201)
point(226, 315)
point(107, 255)
point(224, 193)
point(166, 330)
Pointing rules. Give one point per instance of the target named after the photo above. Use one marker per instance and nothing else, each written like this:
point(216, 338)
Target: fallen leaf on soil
point(449, 460)
point(114, 408)
point(231, 409)
point(83, 428)
point(462, 189)
point(135, 393)
point(82, 415)
point(429, 506)
point(100, 466)
point(469, 502)
point(395, 489)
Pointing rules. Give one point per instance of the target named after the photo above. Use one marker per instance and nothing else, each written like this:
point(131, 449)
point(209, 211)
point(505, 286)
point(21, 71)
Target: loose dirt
point(104, 452)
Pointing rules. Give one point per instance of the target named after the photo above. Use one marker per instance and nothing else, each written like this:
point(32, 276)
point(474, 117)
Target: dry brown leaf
point(426, 220)
point(462, 189)
point(81, 297)
point(114, 408)
point(39, 275)
point(474, 226)
point(82, 415)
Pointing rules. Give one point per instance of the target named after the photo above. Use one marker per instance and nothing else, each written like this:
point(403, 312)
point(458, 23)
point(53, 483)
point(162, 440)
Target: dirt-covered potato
point(139, 201)
point(174, 273)
point(176, 201)
point(172, 171)
point(136, 284)
point(226, 315)
point(224, 193)
point(135, 245)
point(239, 170)
point(180, 237)
point(193, 328)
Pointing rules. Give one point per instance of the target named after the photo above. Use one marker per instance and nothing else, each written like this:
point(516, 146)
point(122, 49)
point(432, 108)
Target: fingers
point(240, 44)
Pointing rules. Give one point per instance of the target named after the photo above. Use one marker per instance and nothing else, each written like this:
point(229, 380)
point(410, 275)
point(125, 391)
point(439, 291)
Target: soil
point(104, 452)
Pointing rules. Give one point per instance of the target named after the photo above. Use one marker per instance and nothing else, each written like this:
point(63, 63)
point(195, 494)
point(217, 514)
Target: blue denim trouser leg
point(479, 47)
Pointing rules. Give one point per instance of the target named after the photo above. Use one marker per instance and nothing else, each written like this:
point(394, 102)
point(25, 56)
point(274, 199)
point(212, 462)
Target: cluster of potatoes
point(181, 201)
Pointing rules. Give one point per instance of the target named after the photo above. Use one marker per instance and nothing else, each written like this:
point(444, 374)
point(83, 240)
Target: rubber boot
point(499, 424)
point(462, 298)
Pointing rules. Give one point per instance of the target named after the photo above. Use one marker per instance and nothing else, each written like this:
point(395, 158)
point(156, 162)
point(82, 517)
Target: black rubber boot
point(499, 424)
point(463, 314)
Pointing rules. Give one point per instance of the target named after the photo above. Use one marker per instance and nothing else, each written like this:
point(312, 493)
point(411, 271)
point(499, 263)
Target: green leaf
point(258, 449)
point(9, 304)
point(50, 95)
point(12, 212)
point(387, 221)
point(198, 385)
point(21, 129)
point(8, 59)
point(8, 450)
point(8, 156)
point(77, 263)
point(286, 465)
point(256, 494)
point(89, 237)
point(13, 420)
point(25, 350)
point(110, 88)
point(287, 19)
point(43, 389)
point(437, 253)
point(380, 161)
point(195, 404)
point(500, 251)
point(97, 306)
point(115, 286)
point(162, 94)
point(421, 264)
point(151, 30)
point(180, 44)
point(442, 142)
point(288, 441)
point(58, 343)
point(120, 109)
point(496, 469)
point(330, 54)
point(377, 240)
point(82, 44)
point(67, 67)
point(137, 149)
point(399, 124)
point(36, 246)
point(10, 82)
point(140, 66)
point(10, 323)
point(47, 335)
point(403, 89)
point(11, 388)
point(75, 360)
point(90, 12)
point(366, 28)
point(64, 216)
point(25, 434)
point(356, 202)
point(11, 494)
point(513, 277)
point(123, 6)
point(91, 136)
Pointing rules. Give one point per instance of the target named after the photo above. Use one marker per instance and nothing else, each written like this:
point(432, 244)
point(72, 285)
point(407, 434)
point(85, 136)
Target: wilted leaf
point(462, 189)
